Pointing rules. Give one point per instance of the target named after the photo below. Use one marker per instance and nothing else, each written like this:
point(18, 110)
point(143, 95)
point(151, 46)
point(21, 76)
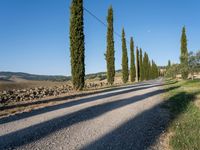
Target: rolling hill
point(13, 76)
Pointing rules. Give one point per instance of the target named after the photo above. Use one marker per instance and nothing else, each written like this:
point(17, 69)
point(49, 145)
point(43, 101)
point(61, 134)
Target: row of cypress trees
point(146, 69)
point(140, 67)
point(143, 69)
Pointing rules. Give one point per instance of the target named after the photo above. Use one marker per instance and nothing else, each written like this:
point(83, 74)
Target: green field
point(183, 105)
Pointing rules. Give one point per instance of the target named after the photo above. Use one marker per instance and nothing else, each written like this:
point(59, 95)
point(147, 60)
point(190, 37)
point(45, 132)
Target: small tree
point(110, 52)
point(125, 71)
point(194, 63)
point(132, 64)
point(173, 71)
point(169, 64)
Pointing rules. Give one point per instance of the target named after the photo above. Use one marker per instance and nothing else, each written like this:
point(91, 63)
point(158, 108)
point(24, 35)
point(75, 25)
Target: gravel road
point(126, 118)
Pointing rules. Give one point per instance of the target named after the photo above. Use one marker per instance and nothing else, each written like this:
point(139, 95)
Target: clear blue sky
point(34, 34)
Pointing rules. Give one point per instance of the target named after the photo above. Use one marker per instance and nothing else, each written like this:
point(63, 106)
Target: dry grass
point(26, 84)
point(197, 102)
point(163, 141)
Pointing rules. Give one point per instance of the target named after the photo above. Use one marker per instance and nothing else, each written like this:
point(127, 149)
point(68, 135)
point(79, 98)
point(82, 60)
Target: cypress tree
point(132, 64)
point(124, 59)
point(145, 67)
point(155, 71)
point(110, 52)
point(77, 45)
point(141, 76)
point(169, 64)
point(137, 65)
point(184, 55)
point(148, 68)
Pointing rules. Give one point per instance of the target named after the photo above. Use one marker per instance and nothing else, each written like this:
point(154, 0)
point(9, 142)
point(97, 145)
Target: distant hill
point(12, 76)
point(20, 76)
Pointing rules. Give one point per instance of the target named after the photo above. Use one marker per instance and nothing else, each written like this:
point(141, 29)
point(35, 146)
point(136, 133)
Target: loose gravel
point(129, 118)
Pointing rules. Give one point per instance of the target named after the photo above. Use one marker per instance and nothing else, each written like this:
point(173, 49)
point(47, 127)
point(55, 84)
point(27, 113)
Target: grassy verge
point(185, 127)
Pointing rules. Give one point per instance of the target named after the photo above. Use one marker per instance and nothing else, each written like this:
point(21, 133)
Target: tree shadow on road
point(70, 103)
point(138, 134)
point(5, 107)
point(38, 131)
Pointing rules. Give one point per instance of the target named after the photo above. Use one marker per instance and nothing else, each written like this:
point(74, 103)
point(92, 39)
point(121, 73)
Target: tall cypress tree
point(184, 55)
point(132, 65)
point(155, 71)
point(148, 68)
point(145, 66)
point(137, 65)
point(77, 45)
point(125, 71)
point(110, 52)
point(141, 66)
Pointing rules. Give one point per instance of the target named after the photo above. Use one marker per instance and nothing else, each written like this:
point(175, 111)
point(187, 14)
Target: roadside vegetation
point(189, 66)
point(184, 106)
point(184, 129)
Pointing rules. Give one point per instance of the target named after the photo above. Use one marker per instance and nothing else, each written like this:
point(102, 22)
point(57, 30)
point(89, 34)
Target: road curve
point(126, 118)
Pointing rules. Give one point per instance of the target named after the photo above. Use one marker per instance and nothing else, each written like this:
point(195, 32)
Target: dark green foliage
point(154, 70)
point(184, 55)
point(150, 69)
point(137, 64)
point(110, 52)
point(141, 76)
point(132, 65)
point(169, 64)
point(125, 72)
point(149, 74)
point(184, 71)
point(146, 67)
point(173, 71)
point(184, 51)
point(194, 62)
point(77, 47)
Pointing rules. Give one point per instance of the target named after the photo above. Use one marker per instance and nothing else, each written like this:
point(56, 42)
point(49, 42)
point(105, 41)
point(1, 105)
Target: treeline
point(189, 62)
point(141, 67)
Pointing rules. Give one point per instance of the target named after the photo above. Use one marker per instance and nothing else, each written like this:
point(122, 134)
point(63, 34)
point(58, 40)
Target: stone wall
point(32, 93)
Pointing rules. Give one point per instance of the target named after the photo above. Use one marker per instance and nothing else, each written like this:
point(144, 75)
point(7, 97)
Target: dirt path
point(129, 118)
